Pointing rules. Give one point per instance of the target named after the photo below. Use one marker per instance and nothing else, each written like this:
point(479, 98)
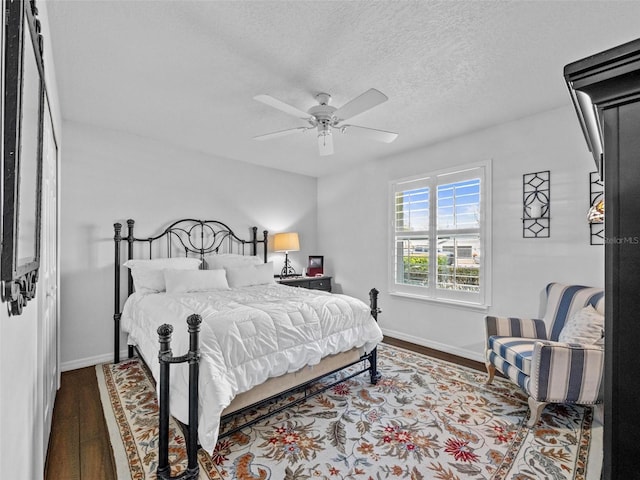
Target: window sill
point(443, 302)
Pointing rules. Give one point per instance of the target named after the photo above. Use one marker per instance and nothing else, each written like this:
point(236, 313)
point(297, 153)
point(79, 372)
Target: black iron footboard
point(166, 359)
point(193, 356)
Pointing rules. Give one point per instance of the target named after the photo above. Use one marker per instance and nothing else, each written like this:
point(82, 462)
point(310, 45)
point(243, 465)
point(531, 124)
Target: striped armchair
point(528, 352)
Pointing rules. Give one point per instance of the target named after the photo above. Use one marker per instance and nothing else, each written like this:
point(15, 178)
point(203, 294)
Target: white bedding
point(248, 335)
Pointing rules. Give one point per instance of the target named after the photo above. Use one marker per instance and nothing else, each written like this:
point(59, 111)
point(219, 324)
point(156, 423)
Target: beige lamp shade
point(286, 242)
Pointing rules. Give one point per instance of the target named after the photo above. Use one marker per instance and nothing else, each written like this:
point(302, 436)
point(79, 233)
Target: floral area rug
point(425, 419)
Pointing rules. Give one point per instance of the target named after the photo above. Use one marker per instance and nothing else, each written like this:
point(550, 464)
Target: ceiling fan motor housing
point(322, 114)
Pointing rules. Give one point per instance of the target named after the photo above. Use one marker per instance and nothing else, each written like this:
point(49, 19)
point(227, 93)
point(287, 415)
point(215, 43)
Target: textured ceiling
point(186, 72)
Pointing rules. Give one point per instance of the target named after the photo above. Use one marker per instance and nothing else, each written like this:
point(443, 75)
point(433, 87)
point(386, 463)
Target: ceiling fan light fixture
point(324, 129)
point(325, 139)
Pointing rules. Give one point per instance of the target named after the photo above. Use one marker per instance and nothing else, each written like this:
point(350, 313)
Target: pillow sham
point(183, 281)
point(585, 326)
point(247, 275)
point(224, 260)
point(148, 275)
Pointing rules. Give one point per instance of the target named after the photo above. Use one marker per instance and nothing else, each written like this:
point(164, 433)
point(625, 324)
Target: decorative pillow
point(585, 326)
point(148, 275)
point(224, 260)
point(181, 281)
point(247, 275)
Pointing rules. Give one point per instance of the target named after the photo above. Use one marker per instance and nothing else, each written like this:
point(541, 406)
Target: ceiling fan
point(325, 117)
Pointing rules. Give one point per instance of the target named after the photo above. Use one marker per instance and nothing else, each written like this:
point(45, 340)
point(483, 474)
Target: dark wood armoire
point(606, 92)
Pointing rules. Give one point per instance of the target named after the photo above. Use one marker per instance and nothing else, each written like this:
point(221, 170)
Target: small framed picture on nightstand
point(316, 266)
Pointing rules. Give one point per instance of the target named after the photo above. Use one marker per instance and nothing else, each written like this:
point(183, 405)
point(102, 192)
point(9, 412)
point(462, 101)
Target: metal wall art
point(596, 209)
point(536, 206)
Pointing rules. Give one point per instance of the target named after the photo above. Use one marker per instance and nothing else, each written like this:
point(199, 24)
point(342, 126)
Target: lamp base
point(287, 270)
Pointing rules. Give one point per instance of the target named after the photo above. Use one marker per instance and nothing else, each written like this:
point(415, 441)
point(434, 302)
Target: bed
point(249, 338)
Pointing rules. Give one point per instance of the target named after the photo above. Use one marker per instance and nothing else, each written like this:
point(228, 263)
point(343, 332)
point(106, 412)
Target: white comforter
point(248, 335)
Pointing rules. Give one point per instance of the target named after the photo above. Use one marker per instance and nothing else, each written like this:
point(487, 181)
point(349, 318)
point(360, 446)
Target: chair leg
point(536, 409)
point(491, 370)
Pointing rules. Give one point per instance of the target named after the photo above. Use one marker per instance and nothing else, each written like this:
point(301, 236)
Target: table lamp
point(286, 242)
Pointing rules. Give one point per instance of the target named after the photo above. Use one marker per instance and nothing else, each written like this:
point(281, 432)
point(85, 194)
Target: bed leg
point(373, 366)
point(194, 322)
point(116, 338)
point(373, 356)
point(166, 358)
point(373, 303)
point(117, 228)
point(164, 470)
point(130, 351)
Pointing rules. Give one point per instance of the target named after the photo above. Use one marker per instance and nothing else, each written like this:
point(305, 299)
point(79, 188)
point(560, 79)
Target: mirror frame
point(19, 274)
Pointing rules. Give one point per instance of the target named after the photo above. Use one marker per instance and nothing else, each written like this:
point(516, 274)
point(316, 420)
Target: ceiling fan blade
point(281, 133)
point(362, 103)
point(325, 144)
point(373, 133)
point(284, 107)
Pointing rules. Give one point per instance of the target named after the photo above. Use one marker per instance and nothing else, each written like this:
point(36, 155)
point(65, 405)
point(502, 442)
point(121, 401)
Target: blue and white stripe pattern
point(565, 300)
point(517, 376)
point(515, 350)
point(566, 373)
point(515, 327)
point(527, 351)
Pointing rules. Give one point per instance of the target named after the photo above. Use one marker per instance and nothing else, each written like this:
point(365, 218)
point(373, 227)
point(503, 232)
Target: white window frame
point(481, 299)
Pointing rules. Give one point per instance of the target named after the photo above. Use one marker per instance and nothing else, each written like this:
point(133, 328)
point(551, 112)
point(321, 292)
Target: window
point(439, 236)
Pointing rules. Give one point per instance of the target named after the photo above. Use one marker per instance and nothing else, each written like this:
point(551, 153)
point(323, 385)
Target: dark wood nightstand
point(312, 283)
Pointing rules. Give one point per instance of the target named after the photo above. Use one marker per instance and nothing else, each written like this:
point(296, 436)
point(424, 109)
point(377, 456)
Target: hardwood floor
point(435, 353)
point(79, 447)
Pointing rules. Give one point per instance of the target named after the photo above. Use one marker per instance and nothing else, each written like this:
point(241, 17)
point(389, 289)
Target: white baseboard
point(90, 361)
point(460, 352)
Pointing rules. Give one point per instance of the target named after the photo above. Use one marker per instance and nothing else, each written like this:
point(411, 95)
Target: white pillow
point(585, 326)
point(247, 275)
point(178, 263)
point(181, 281)
point(224, 260)
point(148, 275)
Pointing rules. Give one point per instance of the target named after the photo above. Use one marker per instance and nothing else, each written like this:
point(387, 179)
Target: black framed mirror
point(23, 105)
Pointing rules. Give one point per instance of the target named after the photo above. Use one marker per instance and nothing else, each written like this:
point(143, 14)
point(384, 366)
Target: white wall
point(111, 176)
point(353, 226)
point(21, 410)
point(20, 416)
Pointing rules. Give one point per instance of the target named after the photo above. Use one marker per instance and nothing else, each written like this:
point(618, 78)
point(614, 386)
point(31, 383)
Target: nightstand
point(312, 283)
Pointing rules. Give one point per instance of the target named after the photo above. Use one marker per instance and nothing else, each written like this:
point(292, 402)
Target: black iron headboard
point(187, 237)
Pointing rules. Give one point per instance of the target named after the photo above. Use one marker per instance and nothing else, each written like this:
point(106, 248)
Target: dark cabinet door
point(622, 280)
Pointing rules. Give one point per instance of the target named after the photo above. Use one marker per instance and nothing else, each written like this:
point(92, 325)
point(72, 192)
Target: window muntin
point(413, 257)
point(459, 205)
point(462, 269)
point(412, 210)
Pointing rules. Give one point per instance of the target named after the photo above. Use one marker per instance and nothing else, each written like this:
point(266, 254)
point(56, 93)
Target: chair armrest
point(566, 373)
point(515, 327)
